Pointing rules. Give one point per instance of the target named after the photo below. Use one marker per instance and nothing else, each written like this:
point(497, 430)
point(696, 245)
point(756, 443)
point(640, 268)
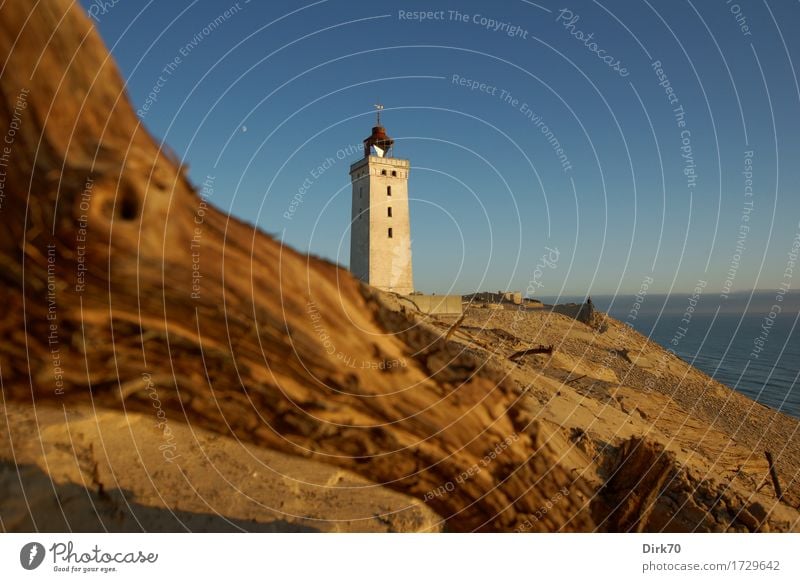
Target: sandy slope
point(259, 346)
point(639, 425)
point(607, 434)
point(602, 388)
point(83, 471)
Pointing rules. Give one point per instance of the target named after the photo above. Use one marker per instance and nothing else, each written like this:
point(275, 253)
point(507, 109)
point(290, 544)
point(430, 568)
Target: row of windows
point(361, 191)
point(388, 212)
point(383, 173)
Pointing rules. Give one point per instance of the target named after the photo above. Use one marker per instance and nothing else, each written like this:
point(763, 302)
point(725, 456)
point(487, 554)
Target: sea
point(749, 341)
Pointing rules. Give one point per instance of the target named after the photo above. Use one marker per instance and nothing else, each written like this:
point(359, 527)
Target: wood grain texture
point(270, 349)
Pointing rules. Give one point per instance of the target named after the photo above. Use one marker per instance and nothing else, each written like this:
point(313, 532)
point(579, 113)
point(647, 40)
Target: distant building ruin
point(511, 297)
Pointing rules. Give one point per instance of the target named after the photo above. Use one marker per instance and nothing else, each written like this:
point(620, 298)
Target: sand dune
point(293, 357)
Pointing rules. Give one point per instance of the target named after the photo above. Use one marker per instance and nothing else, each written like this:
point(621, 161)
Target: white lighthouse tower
point(380, 231)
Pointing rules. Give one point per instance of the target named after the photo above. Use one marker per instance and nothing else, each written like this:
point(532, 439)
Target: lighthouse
point(380, 228)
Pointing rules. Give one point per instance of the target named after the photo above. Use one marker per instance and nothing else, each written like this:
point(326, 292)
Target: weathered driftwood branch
point(102, 241)
point(776, 484)
point(455, 326)
point(526, 352)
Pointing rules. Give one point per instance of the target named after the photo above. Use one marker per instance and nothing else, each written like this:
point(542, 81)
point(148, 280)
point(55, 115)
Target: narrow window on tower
point(383, 172)
point(360, 191)
point(390, 232)
point(394, 173)
point(388, 190)
point(389, 211)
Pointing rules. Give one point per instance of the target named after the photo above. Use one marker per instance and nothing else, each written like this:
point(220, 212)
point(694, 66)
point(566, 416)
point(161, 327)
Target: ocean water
point(722, 338)
point(723, 347)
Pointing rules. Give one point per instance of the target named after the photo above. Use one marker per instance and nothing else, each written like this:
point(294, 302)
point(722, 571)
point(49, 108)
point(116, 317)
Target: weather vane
point(378, 108)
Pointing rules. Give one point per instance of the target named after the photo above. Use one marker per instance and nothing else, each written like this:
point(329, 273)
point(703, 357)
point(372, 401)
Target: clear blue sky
point(263, 97)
